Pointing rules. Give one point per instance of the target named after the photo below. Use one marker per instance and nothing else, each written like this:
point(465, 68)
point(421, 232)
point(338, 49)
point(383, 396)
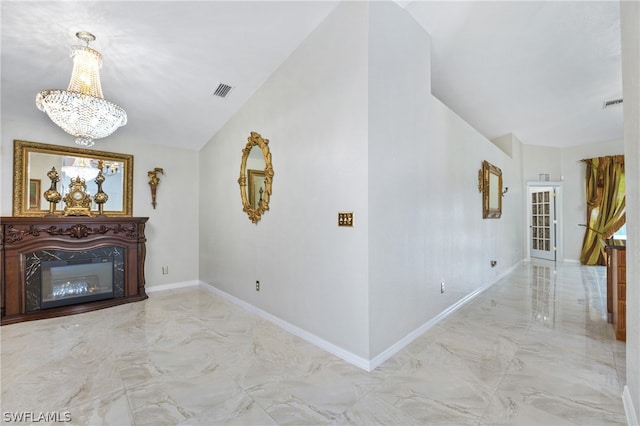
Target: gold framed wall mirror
point(33, 160)
point(490, 185)
point(256, 177)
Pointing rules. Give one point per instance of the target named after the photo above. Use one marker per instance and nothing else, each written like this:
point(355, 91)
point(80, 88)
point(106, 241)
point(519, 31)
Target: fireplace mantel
point(26, 240)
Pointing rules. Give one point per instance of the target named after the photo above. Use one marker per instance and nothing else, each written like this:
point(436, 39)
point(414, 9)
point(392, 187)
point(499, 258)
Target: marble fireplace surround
point(26, 242)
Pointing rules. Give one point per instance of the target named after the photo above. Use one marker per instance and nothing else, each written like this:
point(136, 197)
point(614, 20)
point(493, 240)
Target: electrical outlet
point(442, 287)
point(257, 285)
point(165, 270)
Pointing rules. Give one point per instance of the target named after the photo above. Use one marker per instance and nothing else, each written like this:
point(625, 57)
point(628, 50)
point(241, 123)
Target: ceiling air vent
point(611, 103)
point(222, 90)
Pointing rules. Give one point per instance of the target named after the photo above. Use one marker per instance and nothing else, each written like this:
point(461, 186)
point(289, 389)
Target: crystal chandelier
point(85, 169)
point(81, 110)
point(81, 168)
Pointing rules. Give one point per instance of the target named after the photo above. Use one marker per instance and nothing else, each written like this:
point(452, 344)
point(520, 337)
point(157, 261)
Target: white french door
point(543, 222)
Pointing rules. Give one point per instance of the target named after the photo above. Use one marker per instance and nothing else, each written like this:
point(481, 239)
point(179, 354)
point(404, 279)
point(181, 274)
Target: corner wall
point(397, 157)
point(313, 110)
point(425, 211)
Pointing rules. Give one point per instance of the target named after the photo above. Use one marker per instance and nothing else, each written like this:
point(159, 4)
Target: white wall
point(541, 159)
point(425, 211)
point(313, 110)
point(630, 16)
point(172, 225)
point(399, 159)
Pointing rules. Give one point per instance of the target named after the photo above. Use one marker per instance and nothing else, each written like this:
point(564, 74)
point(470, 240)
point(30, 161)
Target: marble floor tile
point(533, 349)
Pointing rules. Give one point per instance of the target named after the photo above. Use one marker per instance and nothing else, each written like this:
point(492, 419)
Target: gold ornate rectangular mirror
point(490, 184)
point(32, 161)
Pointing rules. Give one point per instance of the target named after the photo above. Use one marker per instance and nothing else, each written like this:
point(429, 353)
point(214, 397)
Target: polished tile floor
point(534, 349)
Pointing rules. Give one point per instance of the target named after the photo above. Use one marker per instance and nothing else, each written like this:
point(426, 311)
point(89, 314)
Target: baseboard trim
point(402, 343)
point(171, 286)
point(629, 409)
point(358, 361)
point(290, 328)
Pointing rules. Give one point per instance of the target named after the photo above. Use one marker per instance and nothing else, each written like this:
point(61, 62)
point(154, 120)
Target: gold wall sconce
point(153, 183)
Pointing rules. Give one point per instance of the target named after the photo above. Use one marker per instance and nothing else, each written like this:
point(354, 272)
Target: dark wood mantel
point(22, 236)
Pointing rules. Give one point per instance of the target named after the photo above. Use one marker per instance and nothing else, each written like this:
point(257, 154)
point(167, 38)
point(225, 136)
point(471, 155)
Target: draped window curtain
point(605, 191)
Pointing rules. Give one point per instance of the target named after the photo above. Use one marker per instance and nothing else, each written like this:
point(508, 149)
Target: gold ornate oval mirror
point(256, 176)
point(32, 161)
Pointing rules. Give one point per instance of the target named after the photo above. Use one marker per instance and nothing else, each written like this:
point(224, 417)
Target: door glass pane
point(542, 218)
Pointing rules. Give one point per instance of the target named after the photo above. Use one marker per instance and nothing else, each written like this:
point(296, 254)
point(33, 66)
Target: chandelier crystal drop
point(81, 110)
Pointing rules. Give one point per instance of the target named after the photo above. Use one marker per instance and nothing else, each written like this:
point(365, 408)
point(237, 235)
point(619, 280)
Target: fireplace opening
point(77, 280)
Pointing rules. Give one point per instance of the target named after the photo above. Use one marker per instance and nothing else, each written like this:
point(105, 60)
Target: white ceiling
point(540, 70)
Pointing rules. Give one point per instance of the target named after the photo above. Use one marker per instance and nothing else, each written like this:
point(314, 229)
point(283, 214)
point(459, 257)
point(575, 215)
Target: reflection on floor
point(533, 349)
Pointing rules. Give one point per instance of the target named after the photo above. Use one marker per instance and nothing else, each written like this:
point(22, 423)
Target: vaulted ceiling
point(541, 70)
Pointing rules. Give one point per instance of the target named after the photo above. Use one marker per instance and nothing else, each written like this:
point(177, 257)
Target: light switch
point(345, 219)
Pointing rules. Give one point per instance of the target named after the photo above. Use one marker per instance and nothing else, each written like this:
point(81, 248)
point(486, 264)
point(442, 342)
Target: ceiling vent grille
point(611, 103)
point(222, 90)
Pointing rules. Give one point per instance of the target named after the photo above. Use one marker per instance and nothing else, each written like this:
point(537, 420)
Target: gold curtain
point(605, 191)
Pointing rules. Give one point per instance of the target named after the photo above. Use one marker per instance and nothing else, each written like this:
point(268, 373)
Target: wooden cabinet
point(27, 242)
point(617, 287)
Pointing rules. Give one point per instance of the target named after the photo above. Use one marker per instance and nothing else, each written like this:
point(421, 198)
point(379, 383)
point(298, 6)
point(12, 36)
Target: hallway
point(533, 349)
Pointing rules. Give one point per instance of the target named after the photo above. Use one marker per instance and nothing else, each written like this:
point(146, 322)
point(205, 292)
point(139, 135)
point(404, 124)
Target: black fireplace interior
point(78, 280)
point(62, 277)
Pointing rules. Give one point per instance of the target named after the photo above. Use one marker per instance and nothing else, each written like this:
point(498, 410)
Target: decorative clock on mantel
point(77, 201)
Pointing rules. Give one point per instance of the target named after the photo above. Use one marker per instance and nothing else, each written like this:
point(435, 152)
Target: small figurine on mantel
point(77, 201)
point(52, 195)
point(153, 183)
